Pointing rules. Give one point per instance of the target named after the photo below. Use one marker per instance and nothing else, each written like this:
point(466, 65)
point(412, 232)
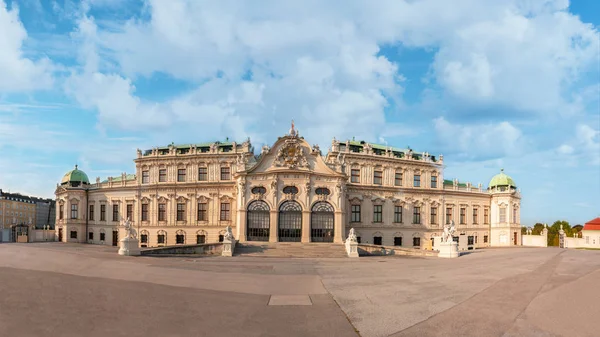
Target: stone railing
point(371, 250)
point(203, 249)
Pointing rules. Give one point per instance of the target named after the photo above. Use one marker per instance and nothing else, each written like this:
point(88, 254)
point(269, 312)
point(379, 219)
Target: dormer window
point(290, 190)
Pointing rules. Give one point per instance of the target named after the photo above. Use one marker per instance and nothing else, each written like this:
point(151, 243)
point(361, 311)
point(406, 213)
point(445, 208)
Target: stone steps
point(291, 249)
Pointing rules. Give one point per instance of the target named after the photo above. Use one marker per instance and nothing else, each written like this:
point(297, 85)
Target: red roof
point(592, 225)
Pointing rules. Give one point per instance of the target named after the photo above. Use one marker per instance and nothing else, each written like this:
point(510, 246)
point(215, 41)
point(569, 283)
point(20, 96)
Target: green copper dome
point(501, 179)
point(75, 176)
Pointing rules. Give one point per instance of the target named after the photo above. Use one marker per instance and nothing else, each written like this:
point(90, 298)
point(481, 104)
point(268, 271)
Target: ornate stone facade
point(189, 194)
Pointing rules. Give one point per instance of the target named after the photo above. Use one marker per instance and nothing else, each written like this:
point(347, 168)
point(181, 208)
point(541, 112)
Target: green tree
point(537, 229)
point(553, 235)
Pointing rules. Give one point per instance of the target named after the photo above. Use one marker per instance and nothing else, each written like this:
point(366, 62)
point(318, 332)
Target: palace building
point(290, 192)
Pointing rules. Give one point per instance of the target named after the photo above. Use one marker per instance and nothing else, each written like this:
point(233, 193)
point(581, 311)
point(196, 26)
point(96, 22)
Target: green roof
point(451, 183)
point(501, 179)
point(75, 175)
point(119, 178)
point(382, 147)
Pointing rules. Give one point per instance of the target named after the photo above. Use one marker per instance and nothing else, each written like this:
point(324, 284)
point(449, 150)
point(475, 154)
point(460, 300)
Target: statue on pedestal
point(131, 233)
point(449, 230)
point(352, 235)
point(228, 234)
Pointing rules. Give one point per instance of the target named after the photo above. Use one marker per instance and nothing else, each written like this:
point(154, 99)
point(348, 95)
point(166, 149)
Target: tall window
point(397, 241)
point(514, 215)
point(202, 212)
point(463, 215)
point(130, 212)
point(225, 208)
point(161, 239)
point(145, 177)
point(433, 181)
point(355, 213)
point(181, 175)
point(61, 211)
point(225, 173)
point(202, 174)
point(377, 213)
point(73, 211)
point(433, 215)
point(416, 215)
point(486, 216)
point(417, 180)
point(102, 212)
point(474, 216)
point(398, 179)
point(355, 176)
point(200, 238)
point(416, 242)
point(162, 212)
point(448, 214)
point(144, 212)
point(115, 216)
point(502, 215)
point(181, 212)
point(91, 214)
point(377, 177)
point(180, 238)
point(162, 175)
point(398, 214)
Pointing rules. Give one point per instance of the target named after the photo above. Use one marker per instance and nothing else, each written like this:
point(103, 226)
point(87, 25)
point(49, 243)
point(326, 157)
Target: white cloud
point(17, 72)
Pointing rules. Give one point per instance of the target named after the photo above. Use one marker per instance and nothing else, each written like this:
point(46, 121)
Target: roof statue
point(293, 131)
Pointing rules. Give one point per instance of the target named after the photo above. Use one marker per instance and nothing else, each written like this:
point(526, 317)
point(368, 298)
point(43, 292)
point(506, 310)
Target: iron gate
point(290, 222)
point(321, 222)
point(258, 221)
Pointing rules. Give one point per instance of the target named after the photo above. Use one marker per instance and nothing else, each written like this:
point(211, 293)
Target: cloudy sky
point(488, 83)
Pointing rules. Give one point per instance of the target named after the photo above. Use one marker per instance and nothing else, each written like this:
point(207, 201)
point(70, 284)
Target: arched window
point(322, 191)
point(200, 237)
point(180, 237)
point(258, 221)
point(144, 238)
point(290, 190)
point(259, 190)
point(162, 237)
point(322, 222)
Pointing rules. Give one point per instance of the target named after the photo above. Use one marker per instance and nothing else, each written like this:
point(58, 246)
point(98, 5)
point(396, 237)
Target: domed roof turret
point(75, 177)
point(502, 180)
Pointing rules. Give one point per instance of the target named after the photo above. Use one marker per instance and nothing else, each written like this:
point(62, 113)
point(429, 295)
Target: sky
point(489, 84)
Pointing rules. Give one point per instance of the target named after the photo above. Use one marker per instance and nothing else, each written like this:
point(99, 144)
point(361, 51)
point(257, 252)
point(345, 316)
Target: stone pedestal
point(228, 247)
point(448, 249)
point(352, 248)
point(129, 247)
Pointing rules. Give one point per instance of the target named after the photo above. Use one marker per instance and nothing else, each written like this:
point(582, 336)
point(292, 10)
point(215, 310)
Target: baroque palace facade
point(189, 194)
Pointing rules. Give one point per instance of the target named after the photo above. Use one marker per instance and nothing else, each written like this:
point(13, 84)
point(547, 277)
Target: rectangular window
point(202, 211)
point(474, 216)
point(433, 215)
point(417, 180)
point(102, 236)
point(514, 215)
point(502, 215)
point(102, 212)
point(200, 239)
point(355, 176)
point(377, 213)
point(145, 177)
point(73, 234)
point(398, 179)
point(161, 239)
point(355, 213)
point(448, 214)
point(463, 215)
point(144, 212)
point(181, 212)
point(416, 242)
point(144, 238)
point(115, 216)
point(225, 173)
point(377, 177)
point(221, 237)
point(61, 211)
point(485, 239)
point(181, 175)
point(433, 181)
point(486, 216)
point(470, 240)
point(225, 211)
point(417, 215)
point(130, 212)
point(377, 240)
point(91, 236)
point(73, 211)
point(203, 174)
point(398, 241)
point(162, 212)
point(162, 175)
point(179, 239)
point(398, 214)
point(91, 214)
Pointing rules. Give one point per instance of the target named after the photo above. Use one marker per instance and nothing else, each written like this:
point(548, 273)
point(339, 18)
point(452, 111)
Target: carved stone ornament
point(291, 155)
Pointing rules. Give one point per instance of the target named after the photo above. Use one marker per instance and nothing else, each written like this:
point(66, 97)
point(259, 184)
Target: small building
point(591, 233)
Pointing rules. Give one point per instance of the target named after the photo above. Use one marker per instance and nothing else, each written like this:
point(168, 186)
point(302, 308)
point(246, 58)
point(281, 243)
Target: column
point(339, 228)
point(241, 225)
point(305, 226)
point(273, 237)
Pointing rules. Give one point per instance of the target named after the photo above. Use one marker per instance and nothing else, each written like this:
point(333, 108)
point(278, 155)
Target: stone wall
point(203, 249)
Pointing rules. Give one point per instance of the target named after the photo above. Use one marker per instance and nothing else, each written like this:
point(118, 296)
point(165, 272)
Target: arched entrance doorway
point(258, 221)
point(321, 222)
point(290, 222)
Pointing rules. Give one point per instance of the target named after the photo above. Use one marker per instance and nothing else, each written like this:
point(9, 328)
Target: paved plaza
point(53, 289)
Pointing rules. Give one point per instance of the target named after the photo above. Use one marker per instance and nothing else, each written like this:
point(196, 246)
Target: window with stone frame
point(416, 242)
point(144, 212)
point(180, 238)
point(433, 181)
point(102, 236)
point(448, 215)
point(144, 238)
point(355, 175)
point(398, 178)
point(463, 215)
point(502, 214)
point(61, 212)
point(355, 213)
point(225, 211)
point(202, 173)
point(378, 177)
point(202, 209)
point(91, 213)
point(74, 211)
point(485, 239)
point(102, 212)
point(129, 211)
point(514, 214)
point(416, 215)
point(200, 238)
point(162, 212)
point(181, 211)
point(378, 240)
point(475, 216)
point(486, 216)
point(398, 241)
point(225, 173)
point(161, 239)
point(221, 237)
point(377, 213)
point(145, 177)
point(398, 213)
point(417, 179)
point(433, 215)
point(162, 175)
point(115, 216)
point(91, 236)
point(73, 234)
point(181, 175)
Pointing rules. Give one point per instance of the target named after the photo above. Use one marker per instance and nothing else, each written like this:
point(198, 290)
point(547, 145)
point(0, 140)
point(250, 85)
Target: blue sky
point(489, 84)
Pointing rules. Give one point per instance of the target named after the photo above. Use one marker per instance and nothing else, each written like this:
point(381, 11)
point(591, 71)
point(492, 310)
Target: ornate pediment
point(162, 198)
point(356, 200)
point(291, 154)
point(202, 198)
